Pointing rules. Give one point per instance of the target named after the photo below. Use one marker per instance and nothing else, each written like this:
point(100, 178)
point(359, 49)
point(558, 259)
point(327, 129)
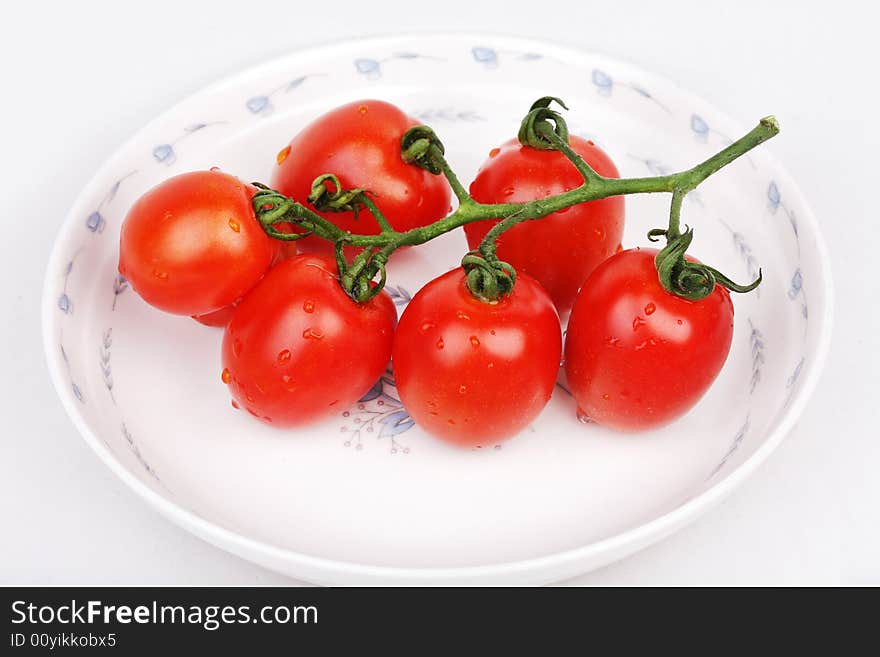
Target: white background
point(79, 78)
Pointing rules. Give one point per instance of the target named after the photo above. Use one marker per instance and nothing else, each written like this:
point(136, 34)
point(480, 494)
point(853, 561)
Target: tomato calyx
point(488, 278)
point(540, 122)
point(421, 146)
point(333, 197)
point(683, 277)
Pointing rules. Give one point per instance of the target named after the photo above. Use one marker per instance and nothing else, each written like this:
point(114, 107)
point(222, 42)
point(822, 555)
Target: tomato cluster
point(298, 346)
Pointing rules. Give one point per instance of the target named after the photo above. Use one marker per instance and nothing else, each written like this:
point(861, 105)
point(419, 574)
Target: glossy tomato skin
point(637, 357)
point(220, 318)
point(298, 349)
point(192, 244)
point(473, 373)
point(360, 143)
point(561, 249)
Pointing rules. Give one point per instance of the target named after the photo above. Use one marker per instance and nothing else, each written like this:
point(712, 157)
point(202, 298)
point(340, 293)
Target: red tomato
point(636, 356)
point(298, 349)
point(561, 249)
point(474, 373)
point(192, 244)
point(360, 143)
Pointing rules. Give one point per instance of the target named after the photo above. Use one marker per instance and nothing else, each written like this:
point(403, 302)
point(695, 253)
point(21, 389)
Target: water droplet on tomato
point(462, 389)
point(427, 326)
point(289, 383)
point(650, 308)
point(249, 398)
point(600, 234)
point(363, 109)
point(508, 191)
point(312, 334)
point(226, 375)
point(582, 416)
point(606, 396)
point(638, 322)
point(161, 275)
point(283, 356)
point(282, 154)
point(491, 331)
point(233, 224)
point(267, 419)
point(235, 405)
point(475, 341)
point(236, 347)
point(451, 421)
point(433, 413)
point(462, 315)
point(678, 321)
point(252, 411)
point(490, 366)
point(440, 343)
point(494, 152)
point(590, 142)
point(309, 306)
point(215, 169)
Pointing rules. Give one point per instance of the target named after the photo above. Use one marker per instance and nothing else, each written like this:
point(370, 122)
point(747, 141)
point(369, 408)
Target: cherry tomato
point(360, 143)
point(298, 349)
point(192, 244)
point(474, 373)
point(636, 356)
point(561, 249)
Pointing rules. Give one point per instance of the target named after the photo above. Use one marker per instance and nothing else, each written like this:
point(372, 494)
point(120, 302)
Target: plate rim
point(549, 567)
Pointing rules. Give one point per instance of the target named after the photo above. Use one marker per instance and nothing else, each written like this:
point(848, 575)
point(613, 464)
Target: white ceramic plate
point(367, 497)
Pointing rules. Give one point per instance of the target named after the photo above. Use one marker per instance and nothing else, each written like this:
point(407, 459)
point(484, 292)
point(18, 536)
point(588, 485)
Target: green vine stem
point(542, 126)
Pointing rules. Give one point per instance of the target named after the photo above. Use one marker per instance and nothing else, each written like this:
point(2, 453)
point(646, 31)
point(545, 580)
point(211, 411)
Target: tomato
point(636, 356)
point(561, 249)
point(298, 349)
point(192, 244)
point(360, 143)
point(474, 373)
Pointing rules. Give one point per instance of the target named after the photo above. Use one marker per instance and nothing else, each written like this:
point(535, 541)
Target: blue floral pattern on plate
point(96, 222)
point(605, 85)
point(372, 68)
point(490, 57)
point(261, 104)
point(734, 446)
point(165, 153)
point(379, 415)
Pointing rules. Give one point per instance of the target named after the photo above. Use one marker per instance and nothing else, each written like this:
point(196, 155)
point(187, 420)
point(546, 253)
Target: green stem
point(457, 188)
point(594, 187)
point(378, 215)
point(674, 229)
